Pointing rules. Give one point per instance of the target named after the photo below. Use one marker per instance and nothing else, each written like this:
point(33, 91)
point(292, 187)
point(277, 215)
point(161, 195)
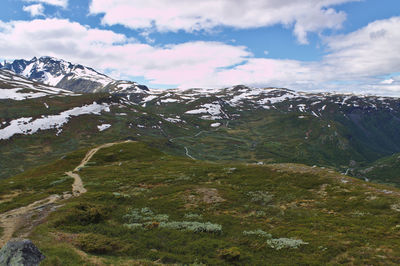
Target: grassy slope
point(385, 170)
point(22, 152)
point(334, 139)
point(343, 220)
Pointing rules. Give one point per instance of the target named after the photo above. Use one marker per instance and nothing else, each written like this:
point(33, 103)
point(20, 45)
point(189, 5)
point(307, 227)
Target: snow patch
point(302, 108)
point(173, 120)
point(14, 94)
point(103, 127)
point(213, 109)
point(169, 100)
point(28, 126)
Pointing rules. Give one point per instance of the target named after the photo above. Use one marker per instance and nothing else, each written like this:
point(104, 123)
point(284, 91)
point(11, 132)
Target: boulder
point(20, 252)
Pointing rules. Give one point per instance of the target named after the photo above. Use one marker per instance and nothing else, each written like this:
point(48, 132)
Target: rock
point(20, 252)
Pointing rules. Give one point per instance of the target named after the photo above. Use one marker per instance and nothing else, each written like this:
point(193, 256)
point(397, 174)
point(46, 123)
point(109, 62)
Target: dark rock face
point(79, 85)
point(143, 87)
point(20, 252)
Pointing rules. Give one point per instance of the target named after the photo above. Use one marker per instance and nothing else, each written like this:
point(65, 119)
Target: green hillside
point(385, 170)
point(144, 206)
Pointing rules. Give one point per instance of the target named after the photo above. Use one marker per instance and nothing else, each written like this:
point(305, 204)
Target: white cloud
point(34, 10)
point(372, 50)
point(104, 49)
point(55, 37)
point(387, 81)
point(174, 15)
point(61, 3)
point(354, 62)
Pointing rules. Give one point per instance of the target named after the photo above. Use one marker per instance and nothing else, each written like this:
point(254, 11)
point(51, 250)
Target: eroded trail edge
point(13, 220)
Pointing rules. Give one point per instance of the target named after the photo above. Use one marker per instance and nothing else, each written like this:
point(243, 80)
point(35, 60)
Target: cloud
point(61, 3)
point(359, 61)
point(354, 62)
point(34, 10)
point(174, 15)
point(372, 50)
point(387, 81)
point(106, 50)
point(54, 37)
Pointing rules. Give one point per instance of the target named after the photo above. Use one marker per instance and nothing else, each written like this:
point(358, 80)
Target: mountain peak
point(66, 75)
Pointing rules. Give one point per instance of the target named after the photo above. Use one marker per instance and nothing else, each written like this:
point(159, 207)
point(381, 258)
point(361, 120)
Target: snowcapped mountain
point(73, 77)
point(218, 104)
point(15, 87)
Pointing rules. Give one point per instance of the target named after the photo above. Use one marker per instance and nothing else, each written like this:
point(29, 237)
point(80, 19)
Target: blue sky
point(320, 45)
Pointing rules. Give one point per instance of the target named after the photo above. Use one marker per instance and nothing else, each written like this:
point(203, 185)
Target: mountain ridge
point(74, 77)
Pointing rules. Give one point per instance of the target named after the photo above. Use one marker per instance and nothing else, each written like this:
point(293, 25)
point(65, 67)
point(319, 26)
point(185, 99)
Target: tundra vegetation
point(144, 206)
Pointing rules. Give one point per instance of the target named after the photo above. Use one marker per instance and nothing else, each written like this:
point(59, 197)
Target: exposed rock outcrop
point(20, 252)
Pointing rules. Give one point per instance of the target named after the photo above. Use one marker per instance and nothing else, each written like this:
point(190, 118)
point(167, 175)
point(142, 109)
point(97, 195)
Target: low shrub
point(196, 227)
point(257, 232)
point(146, 218)
point(193, 216)
point(134, 226)
point(83, 214)
point(229, 254)
point(99, 244)
point(379, 204)
point(144, 215)
point(280, 243)
point(260, 197)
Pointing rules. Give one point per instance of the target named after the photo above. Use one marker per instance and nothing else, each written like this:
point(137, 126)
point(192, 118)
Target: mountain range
point(65, 75)
point(343, 131)
point(244, 175)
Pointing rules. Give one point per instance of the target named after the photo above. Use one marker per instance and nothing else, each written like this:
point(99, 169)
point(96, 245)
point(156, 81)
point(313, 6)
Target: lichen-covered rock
point(20, 252)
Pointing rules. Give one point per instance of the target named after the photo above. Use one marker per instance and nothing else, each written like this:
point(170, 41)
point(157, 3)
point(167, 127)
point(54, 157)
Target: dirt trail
point(10, 221)
point(77, 186)
point(13, 220)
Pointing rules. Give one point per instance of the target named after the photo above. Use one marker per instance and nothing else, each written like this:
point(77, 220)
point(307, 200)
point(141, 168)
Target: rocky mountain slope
point(65, 75)
point(18, 88)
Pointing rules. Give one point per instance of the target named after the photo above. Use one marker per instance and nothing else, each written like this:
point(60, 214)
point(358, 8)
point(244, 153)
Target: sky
point(308, 45)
